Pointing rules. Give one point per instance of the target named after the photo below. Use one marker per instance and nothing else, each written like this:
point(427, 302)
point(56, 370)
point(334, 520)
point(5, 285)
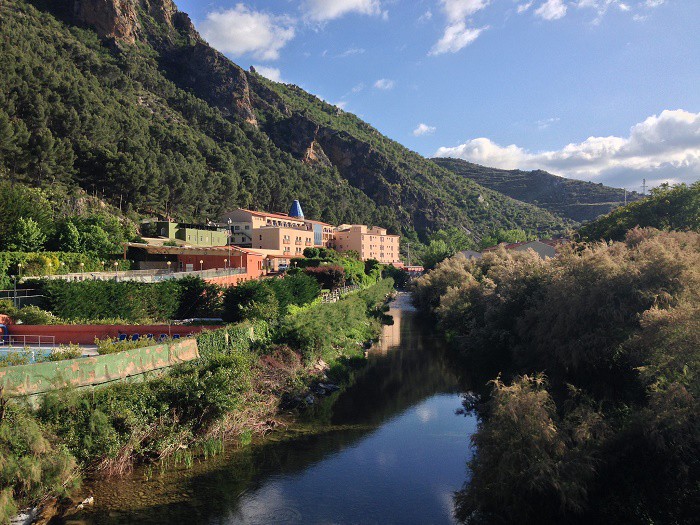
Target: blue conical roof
point(295, 210)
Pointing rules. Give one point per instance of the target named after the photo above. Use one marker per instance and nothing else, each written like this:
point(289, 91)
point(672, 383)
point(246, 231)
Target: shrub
point(35, 315)
point(103, 299)
point(250, 300)
point(197, 298)
point(31, 463)
point(328, 277)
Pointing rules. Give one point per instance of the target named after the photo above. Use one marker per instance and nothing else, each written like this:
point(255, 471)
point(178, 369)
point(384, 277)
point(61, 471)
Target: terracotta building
point(371, 242)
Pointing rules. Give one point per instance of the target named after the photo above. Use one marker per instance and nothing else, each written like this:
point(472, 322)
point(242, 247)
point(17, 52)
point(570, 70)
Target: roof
point(276, 215)
point(295, 210)
point(191, 250)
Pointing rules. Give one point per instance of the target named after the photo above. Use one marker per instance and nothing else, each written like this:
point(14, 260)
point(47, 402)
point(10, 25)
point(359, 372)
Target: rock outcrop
point(195, 66)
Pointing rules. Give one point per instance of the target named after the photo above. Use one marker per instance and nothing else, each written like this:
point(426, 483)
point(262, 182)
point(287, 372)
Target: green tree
point(27, 236)
point(69, 238)
point(436, 252)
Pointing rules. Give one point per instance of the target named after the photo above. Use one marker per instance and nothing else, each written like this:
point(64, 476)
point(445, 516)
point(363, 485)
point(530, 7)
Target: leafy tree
point(26, 236)
point(507, 236)
point(329, 277)
point(250, 300)
point(436, 252)
point(69, 238)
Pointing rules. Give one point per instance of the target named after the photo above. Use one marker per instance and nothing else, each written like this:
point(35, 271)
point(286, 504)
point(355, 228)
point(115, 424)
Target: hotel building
point(287, 236)
point(371, 242)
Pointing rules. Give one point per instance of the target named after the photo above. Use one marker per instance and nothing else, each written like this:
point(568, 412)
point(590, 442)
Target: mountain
point(124, 99)
point(574, 199)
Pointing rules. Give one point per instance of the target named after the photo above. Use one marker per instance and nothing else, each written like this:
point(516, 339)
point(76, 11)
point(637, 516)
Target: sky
point(599, 90)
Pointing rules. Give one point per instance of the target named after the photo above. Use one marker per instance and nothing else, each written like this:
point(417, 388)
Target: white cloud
point(425, 16)
point(655, 3)
point(358, 87)
point(601, 7)
point(458, 10)
point(546, 122)
point(322, 10)
point(524, 7)
point(341, 104)
point(241, 31)
point(664, 147)
point(352, 51)
point(551, 10)
point(385, 84)
point(457, 36)
point(271, 73)
point(423, 129)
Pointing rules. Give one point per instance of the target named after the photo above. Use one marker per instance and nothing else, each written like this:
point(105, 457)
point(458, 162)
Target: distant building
point(370, 242)
point(191, 234)
point(242, 222)
point(288, 235)
point(290, 241)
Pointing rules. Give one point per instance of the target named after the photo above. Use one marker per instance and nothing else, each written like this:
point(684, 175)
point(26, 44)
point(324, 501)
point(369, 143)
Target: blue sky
point(602, 90)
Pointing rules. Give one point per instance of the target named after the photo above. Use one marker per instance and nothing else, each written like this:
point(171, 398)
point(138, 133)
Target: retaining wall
point(86, 334)
point(26, 380)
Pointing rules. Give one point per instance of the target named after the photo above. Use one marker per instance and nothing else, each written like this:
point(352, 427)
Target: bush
point(250, 300)
point(35, 315)
point(103, 299)
point(198, 298)
point(32, 465)
point(328, 277)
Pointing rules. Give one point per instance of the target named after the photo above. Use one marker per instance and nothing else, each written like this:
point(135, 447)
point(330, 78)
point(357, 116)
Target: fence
point(146, 276)
point(21, 296)
point(338, 293)
point(26, 341)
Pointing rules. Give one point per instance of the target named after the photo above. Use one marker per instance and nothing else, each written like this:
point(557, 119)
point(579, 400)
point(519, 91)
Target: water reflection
point(394, 452)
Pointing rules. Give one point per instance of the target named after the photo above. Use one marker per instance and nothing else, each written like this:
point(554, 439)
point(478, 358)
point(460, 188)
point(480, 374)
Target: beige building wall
point(370, 243)
point(290, 242)
point(243, 222)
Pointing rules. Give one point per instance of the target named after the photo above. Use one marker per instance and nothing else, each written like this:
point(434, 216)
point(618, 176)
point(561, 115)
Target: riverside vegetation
point(593, 414)
point(233, 391)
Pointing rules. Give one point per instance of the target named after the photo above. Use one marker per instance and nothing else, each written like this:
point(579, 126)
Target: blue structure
point(295, 211)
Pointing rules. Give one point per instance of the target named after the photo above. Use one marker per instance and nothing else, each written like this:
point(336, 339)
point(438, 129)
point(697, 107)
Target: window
point(261, 237)
point(247, 227)
point(237, 228)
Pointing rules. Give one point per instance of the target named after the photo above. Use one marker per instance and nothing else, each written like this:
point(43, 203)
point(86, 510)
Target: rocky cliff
point(163, 123)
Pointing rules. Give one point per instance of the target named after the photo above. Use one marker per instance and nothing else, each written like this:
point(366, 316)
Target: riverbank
point(388, 448)
point(594, 404)
point(232, 394)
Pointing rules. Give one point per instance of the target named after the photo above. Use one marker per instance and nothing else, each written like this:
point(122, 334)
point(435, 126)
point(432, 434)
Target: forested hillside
point(126, 101)
point(574, 199)
point(668, 208)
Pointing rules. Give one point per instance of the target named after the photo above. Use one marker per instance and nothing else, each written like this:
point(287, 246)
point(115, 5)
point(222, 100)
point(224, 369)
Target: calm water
point(391, 449)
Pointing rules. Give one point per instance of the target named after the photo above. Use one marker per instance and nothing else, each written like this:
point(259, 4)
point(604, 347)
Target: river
point(389, 449)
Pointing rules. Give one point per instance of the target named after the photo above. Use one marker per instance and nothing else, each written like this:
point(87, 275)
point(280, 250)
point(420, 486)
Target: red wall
point(86, 334)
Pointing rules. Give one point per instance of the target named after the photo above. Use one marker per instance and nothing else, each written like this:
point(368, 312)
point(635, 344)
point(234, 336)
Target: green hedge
point(134, 302)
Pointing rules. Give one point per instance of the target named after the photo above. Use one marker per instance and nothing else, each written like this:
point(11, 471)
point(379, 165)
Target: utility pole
point(644, 187)
point(408, 244)
point(625, 196)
